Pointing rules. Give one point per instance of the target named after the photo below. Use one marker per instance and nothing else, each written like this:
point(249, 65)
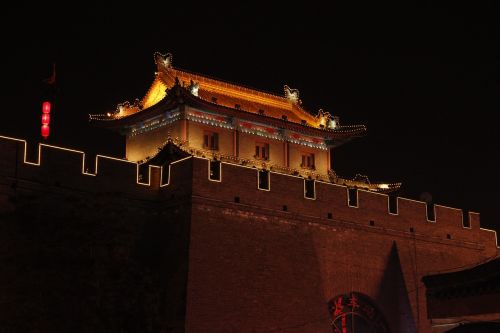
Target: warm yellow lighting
point(163, 59)
point(228, 95)
point(155, 94)
point(208, 85)
point(194, 87)
point(384, 186)
point(292, 94)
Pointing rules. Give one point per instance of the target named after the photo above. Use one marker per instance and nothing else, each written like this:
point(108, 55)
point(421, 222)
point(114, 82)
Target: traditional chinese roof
point(472, 293)
point(478, 279)
point(235, 99)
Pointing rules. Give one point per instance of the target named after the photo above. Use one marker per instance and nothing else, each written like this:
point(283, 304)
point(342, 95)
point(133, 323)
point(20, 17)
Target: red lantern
point(45, 131)
point(45, 118)
point(46, 107)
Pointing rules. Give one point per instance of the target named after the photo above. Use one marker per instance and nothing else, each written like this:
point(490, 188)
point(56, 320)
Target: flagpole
point(49, 103)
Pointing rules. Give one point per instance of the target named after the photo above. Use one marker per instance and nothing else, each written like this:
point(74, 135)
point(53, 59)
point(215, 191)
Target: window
point(307, 161)
point(262, 151)
point(211, 140)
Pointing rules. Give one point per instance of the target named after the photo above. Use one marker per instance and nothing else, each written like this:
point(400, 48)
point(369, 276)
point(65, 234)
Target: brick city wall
point(255, 267)
point(90, 252)
point(254, 260)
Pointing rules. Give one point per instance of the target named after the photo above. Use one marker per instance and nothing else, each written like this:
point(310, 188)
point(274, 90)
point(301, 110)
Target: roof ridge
point(293, 106)
point(237, 85)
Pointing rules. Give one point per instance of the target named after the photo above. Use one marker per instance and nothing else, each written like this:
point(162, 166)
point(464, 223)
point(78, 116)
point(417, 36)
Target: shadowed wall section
point(86, 253)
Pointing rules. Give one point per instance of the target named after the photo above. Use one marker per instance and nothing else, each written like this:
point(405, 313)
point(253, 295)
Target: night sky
point(424, 79)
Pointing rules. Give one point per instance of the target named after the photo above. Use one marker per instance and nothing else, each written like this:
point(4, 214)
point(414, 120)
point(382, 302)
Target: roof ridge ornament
point(194, 87)
point(324, 118)
point(120, 110)
point(292, 95)
point(137, 104)
point(164, 60)
point(327, 120)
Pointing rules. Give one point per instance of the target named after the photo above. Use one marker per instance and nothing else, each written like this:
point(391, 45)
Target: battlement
point(354, 208)
point(317, 201)
point(50, 165)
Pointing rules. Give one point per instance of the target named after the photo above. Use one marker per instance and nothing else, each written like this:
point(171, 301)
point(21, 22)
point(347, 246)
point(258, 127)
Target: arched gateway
point(356, 313)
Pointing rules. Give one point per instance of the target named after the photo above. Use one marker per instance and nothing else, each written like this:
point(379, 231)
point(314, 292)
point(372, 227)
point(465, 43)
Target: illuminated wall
point(320, 157)
point(195, 137)
point(146, 144)
point(247, 148)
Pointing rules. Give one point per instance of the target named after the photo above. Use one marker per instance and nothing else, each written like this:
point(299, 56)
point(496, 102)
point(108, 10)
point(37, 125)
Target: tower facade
point(231, 123)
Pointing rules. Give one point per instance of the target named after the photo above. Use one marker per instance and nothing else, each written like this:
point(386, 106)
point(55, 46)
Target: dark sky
point(424, 79)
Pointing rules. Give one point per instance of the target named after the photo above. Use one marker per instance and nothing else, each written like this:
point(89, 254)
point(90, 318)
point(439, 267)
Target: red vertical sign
point(45, 130)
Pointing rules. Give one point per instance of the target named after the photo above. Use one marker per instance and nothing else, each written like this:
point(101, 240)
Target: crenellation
point(430, 212)
point(488, 238)
point(474, 220)
point(352, 197)
point(376, 208)
point(70, 168)
point(12, 154)
point(31, 152)
point(448, 216)
point(412, 210)
point(60, 163)
point(333, 199)
point(373, 202)
point(114, 175)
point(286, 190)
point(177, 178)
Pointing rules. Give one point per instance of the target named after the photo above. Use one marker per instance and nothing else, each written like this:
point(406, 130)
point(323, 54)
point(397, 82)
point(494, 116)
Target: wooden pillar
point(330, 162)
point(184, 129)
point(286, 154)
point(236, 142)
point(184, 123)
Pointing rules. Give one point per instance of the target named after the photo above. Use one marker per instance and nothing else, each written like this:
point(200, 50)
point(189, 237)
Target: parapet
point(319, 201)
point(49, 165)
point(328, 203)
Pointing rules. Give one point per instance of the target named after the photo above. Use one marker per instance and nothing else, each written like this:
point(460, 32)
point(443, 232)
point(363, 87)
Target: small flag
point(52, 79)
